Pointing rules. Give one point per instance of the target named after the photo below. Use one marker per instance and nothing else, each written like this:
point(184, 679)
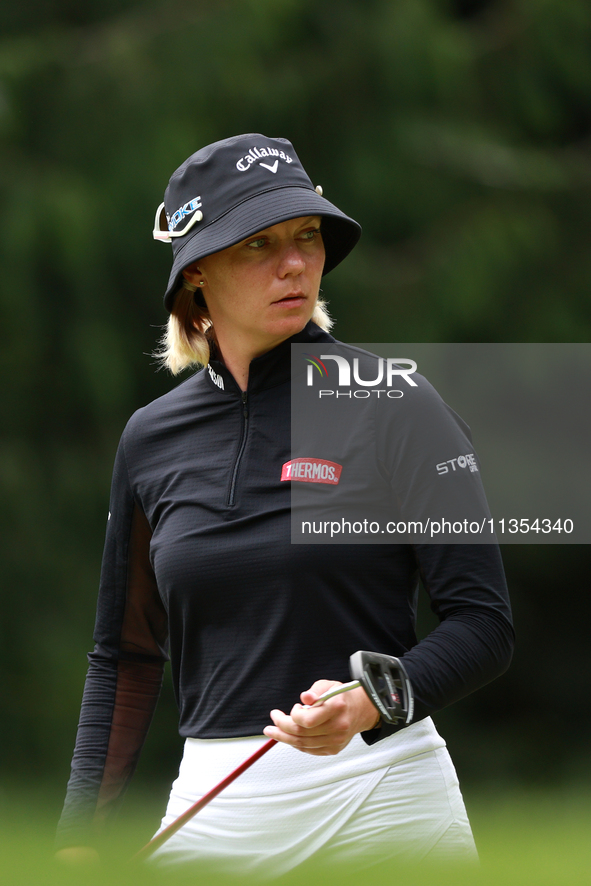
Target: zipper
point(232, 493)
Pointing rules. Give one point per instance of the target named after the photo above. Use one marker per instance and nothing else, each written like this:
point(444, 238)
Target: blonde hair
point(189, 333)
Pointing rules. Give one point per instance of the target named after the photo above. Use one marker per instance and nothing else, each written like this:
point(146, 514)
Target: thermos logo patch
point(312, 470)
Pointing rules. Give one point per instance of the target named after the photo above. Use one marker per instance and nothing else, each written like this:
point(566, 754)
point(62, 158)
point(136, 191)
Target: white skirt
point(398, 799)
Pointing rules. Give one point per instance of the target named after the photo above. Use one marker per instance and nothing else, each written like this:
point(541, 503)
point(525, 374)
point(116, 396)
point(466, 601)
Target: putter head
point(387, 685)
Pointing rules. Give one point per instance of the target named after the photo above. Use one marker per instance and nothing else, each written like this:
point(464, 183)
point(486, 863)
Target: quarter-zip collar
point(268, 370)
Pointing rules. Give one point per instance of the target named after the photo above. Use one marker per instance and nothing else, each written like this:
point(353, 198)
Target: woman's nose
point(291, 261)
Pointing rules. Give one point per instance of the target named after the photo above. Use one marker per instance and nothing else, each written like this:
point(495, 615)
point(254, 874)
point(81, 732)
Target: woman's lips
point(295, 298)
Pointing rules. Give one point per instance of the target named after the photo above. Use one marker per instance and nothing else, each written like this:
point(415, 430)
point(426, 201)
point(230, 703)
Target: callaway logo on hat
point(234, 188)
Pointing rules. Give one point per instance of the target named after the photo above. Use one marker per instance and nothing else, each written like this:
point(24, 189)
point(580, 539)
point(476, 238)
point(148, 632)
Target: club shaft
point(186, 816)
point(337, 690)
point(164, 835)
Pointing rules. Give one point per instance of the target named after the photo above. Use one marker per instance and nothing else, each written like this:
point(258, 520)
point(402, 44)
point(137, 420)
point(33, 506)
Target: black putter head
point(386, 682)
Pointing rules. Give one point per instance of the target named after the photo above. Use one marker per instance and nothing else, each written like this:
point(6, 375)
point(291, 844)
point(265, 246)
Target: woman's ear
point(193, 274)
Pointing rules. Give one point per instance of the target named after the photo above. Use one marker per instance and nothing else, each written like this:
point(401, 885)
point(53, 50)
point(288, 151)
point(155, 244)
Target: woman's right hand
point(328, 728)
point(77, 855)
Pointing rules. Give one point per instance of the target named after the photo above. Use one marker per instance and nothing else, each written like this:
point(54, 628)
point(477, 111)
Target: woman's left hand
point(328, 728)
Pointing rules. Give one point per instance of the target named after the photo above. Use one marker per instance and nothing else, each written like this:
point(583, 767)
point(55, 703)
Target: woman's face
point(264, 289)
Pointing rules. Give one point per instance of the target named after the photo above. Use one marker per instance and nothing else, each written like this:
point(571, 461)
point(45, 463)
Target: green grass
point(523, 838)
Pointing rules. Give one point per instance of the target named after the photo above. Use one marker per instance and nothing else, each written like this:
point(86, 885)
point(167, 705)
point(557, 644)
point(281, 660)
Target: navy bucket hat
point(234, 188)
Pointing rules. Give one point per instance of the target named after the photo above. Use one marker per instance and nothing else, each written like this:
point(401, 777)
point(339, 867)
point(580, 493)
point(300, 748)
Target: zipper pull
point(244, 403)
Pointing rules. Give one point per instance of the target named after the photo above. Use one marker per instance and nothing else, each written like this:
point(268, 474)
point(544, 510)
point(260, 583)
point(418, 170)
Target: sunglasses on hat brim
point(161, 231)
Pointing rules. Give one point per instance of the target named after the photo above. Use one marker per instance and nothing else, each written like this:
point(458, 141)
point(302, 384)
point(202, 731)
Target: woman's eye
point(311, 235)
point(258, 243)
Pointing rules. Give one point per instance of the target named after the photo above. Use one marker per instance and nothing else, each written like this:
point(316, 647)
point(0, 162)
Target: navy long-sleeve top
point(199, 567)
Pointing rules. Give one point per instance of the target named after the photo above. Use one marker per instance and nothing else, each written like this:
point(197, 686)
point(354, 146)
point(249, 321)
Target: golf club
point(386, 683)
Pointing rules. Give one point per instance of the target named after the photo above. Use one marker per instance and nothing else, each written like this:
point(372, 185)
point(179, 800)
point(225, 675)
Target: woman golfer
point(199, 566)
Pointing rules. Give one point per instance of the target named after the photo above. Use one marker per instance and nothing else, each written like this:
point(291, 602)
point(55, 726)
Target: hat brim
point(339, 232)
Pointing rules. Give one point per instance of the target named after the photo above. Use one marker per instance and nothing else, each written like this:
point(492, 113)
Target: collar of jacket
point(270, 369)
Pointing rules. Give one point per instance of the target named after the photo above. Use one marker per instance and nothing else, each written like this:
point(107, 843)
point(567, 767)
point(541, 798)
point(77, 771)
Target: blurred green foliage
point(538, 840)
point(457, 131)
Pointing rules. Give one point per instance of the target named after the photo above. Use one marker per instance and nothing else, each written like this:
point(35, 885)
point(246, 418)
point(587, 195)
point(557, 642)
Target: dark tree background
point(457, 131)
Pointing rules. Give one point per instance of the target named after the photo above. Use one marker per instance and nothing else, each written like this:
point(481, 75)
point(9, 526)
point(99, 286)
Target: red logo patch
point(312, 470)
